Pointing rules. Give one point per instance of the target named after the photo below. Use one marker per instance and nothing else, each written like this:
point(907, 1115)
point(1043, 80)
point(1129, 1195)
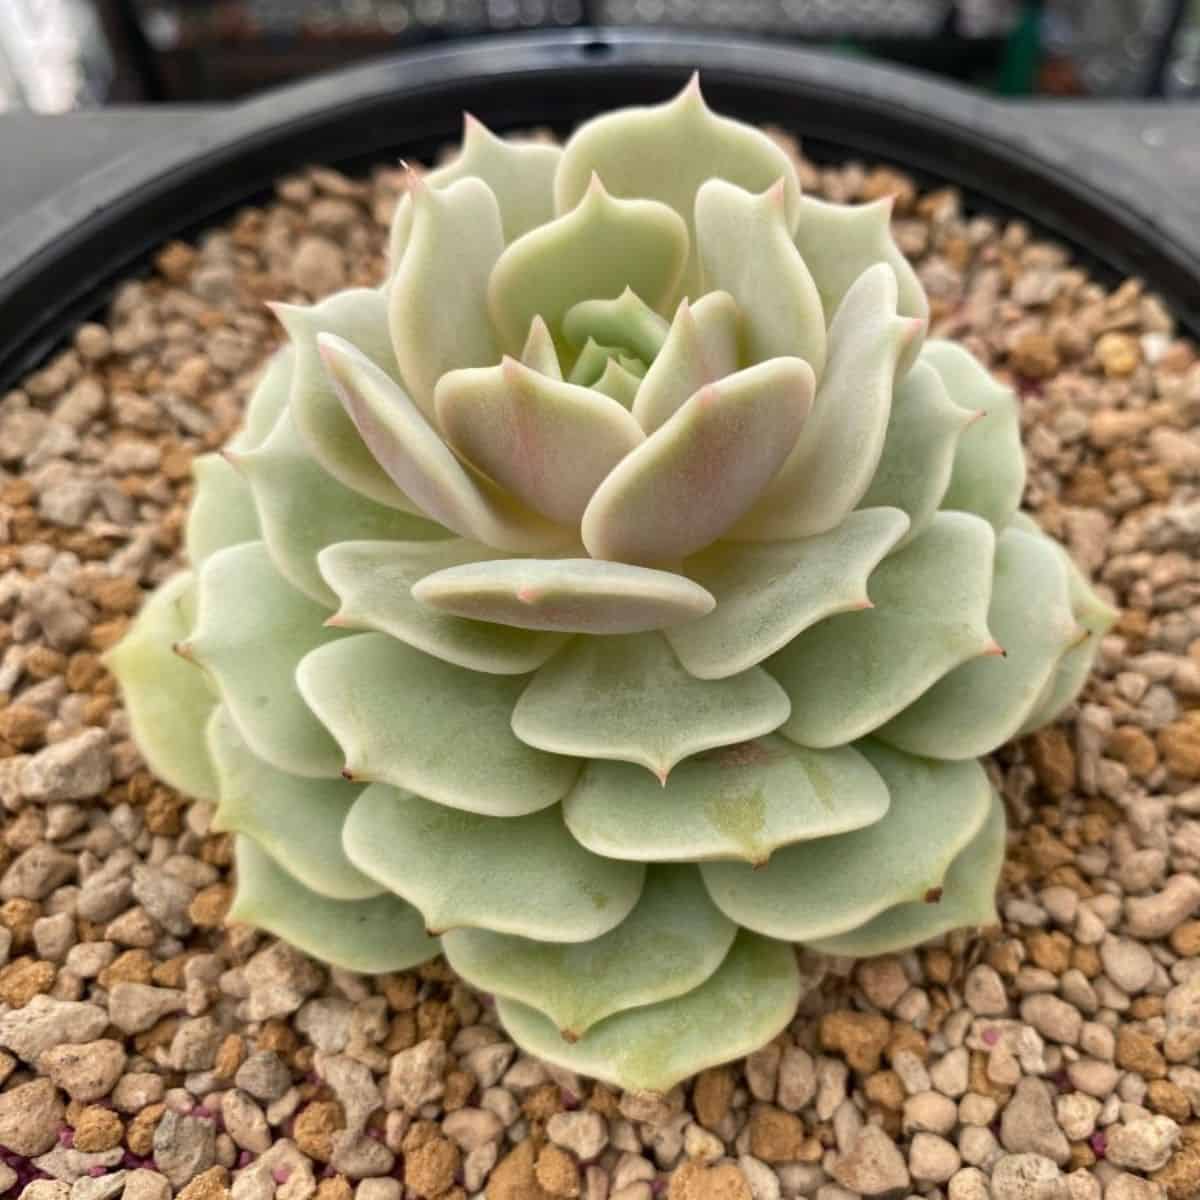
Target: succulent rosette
point(614, 600)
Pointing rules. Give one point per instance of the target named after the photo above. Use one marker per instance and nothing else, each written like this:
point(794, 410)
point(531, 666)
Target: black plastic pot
point(72, 249)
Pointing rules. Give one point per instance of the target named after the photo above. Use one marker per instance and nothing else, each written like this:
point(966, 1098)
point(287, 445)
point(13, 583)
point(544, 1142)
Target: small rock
point(585, 1134)
point(264, 1076)
point(45, 1022)
point(35, 873)
point(984, 992)
point(245, 1122)
point(1052, 1018)
point(932, 1159)
point(859, 1037)
point(1093, 1076)
point(1130, 1187)
point(557, 1172)
point(318, 267)
point(471, 1128)
point(146, 1185)
point(874, 1166)
point(46, 1189)
point(184, 1146)
point(165, 898)
point(75, 769)
point(1143, 1145)
point(776, 1136)
point(31, 1115)
point(99, 1187)
point(429, 1170)
point(1182, 1012)
point(1127, 963)
point(797, 1080)
point(1027, 1177)
point(713, 1094)
point(417, 1076)
point(969, 1184)
point(1077, 1115)
point(134, 1007)
point(280, 979)
point(69, 1164)
point(1027, 1125)
point(1152, 917)
point(87, 1071)
point(930, 1112)
point(951, 1073)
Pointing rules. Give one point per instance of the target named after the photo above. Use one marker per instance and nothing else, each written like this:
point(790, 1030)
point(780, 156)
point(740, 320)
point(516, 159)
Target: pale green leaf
point(983, 703)
point(519, 172)
point(767, 593)
point(592, 362)
point(540, 354)
point(749, 1000)
point(414, 455)
point(359, 314)
point(816, 889)
point(701, 347)
point(849, 674)
point(522, 875)
point(745, 246)
point(620, 382)
point(222, 512)
point(567, 595)
point(666, 152)
point(834, 459)
point(989, 464)
point(628, 321)
point(547, 442)
point(379, 934)
point(1095, 618)
point(628, 698)
point(167, 699)
point(267, 401)
point(437, 298)
point(298, 822)
point(968, 898)
point(596, 250)
point(374, 582)
point(840, 241)
point(697, 474)
point(675, 926)
point(252, 629)
point(303, 509)
point(739, 802)
point(918, 452)
point(416, 722)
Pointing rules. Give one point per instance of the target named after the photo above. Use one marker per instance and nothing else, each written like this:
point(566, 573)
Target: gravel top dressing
point(147, 1048)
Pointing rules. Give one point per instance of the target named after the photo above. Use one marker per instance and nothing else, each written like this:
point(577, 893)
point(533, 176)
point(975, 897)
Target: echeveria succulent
point(617, 598)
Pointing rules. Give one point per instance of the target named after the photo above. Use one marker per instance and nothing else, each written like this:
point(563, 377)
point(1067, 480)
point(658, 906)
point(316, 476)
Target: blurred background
point(61, 55)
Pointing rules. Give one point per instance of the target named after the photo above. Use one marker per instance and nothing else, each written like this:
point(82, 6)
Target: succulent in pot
point(618, 598)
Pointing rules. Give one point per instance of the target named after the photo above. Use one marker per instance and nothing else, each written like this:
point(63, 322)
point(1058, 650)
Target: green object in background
point(1018, 67)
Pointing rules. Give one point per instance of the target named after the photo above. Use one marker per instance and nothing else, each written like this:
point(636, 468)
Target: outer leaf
point(168, 700)
point(627, 321)
point(840, 241)
point(374, 582)
point(740, 1008)
point(697, 474)
point(740, 802)
point(968, 898)
point(666, 152)
point(520, 875)
point(303, 509)
point(628, 698)
point(359, 314)
point(745, 247)
point(770, 592)
point(437, 300)
point(379, 934)
point(675, 926)
point(222, 512)
point(547, 442)
point(983, 703)
point(1093, 615)
point(701, 347)
point(918, 452)
point(404, 718)
point(252, 629)
point(835, 458)
point(520, 174)
point(570, 595)
point(414, 455)
point(267, 401)
point(852, 672)
point(989, 465)
point(597, 249)
point(298, 822)
point(817, 889)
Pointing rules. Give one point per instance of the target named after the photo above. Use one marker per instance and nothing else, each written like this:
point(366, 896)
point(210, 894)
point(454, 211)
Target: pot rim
point(72, 248)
